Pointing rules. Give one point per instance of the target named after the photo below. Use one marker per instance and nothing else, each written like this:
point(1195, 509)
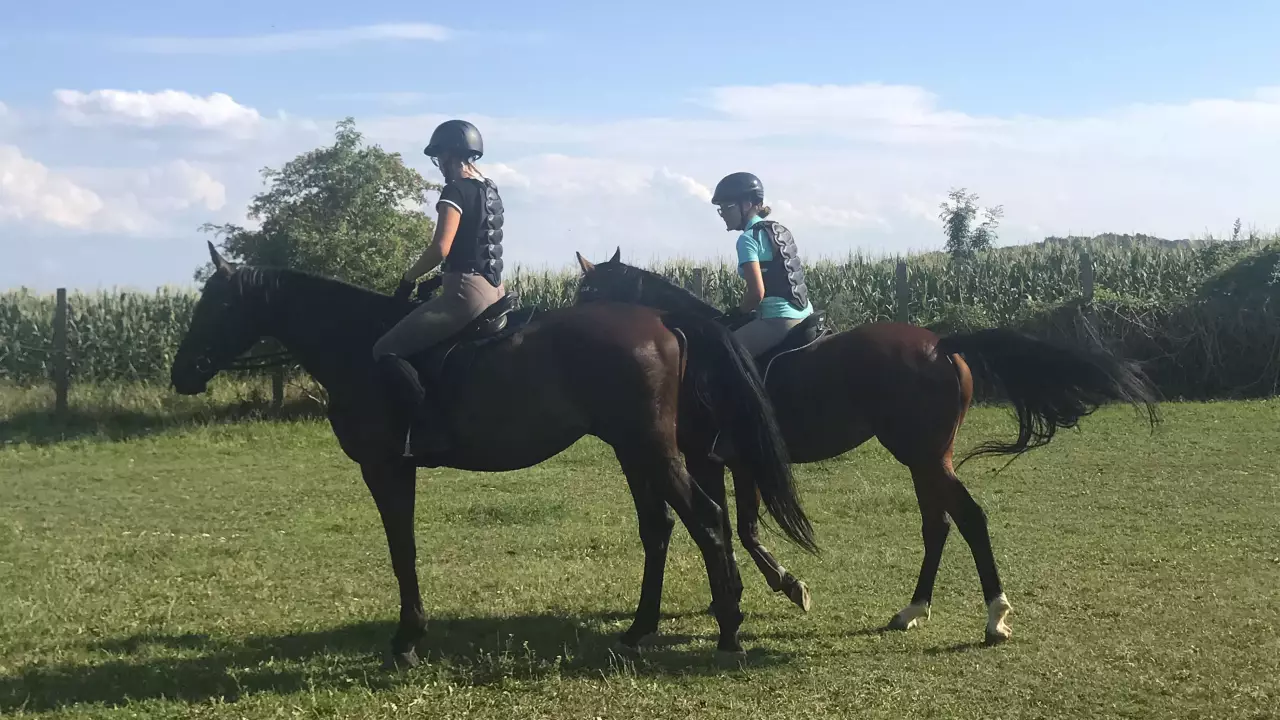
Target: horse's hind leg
point(972, 523)
point(940, 493)
point(934, 528)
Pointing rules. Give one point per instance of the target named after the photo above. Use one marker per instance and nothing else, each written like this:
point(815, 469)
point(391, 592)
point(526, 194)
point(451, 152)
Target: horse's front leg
point(393, 487)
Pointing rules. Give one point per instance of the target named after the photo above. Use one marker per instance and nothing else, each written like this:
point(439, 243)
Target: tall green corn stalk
point(110, 335)
point(127, 336)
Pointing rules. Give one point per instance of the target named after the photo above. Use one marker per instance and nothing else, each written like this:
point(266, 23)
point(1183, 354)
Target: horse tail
point(726, 379)
point(1051, 386)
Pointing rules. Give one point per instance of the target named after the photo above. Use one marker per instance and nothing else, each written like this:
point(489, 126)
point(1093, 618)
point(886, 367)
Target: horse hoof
point(998, 629)
point(909, 617)
point(799, 594)
point(731, 657)
point(621, 648)
point(401, 661)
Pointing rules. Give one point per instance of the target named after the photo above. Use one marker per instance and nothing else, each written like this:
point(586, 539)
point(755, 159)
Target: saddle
point(499, 321)
point(809, 330)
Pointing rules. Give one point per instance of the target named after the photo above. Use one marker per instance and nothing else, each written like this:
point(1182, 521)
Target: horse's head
point(609, 280)
point(223, 327)
point(616, 281)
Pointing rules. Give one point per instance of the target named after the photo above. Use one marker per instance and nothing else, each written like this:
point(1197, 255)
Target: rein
point(259, 362)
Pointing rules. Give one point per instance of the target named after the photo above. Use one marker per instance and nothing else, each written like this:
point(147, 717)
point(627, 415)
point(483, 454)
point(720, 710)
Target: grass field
point(239, 570)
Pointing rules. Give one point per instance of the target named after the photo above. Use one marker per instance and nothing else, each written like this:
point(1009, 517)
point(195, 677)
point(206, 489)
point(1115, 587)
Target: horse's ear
point(584, 264)
point(219, 262)
point(617, 255)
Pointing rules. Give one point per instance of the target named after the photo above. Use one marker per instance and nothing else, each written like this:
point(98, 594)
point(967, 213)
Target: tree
point(350, 211)
point(958, 216)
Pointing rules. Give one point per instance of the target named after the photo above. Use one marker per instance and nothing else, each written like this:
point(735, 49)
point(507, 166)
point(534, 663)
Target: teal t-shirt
point(751, 249)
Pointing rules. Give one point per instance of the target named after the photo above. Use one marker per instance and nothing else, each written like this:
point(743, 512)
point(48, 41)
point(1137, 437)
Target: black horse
point(909, 388)
point(521, 389)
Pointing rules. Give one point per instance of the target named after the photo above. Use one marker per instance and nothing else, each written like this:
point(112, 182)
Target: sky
point(124, 126)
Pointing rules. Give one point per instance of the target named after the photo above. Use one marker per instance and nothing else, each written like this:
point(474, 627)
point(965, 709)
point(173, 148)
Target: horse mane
point(668, 294)
point(306, 297)
point(265, 280)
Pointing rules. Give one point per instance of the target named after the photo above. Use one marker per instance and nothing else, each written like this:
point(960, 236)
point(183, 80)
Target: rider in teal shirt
point(754, 247)
point(767, 259)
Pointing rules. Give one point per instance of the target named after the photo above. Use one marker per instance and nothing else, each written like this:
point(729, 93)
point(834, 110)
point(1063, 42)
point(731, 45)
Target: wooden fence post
point(1086, 277)
point(1086, 289)
point(277, 387)
point(61, 375)
point(903, 293)
point(697, 283)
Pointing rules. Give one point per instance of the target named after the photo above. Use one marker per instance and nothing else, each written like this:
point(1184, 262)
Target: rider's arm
point(438, 250)
point(749, 269)
point(755, 286)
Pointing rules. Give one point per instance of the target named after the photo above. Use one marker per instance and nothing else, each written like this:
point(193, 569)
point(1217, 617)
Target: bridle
point(203, 364)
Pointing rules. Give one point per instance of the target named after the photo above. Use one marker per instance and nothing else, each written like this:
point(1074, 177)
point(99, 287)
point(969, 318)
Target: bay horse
point(910, 389)
point(519, 389)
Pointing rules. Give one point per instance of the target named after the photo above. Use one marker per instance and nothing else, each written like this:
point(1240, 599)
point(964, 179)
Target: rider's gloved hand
point(735, 318)
point(405, 289)
point(430, 286)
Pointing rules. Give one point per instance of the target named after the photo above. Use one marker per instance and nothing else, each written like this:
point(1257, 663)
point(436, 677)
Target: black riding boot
point(410, 399)
point(427, 433)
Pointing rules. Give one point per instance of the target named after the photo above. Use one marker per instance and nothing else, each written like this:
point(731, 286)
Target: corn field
point(111, 336)
point(131, 336)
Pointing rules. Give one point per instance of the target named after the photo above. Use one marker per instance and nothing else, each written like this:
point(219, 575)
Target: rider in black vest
point(767, 259)
point(468, 248)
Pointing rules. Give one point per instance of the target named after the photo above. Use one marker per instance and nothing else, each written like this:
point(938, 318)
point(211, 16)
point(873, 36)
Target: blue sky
point(606, 129)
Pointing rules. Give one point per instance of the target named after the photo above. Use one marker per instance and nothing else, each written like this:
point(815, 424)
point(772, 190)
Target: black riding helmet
point(738, 186)
point(458, 136)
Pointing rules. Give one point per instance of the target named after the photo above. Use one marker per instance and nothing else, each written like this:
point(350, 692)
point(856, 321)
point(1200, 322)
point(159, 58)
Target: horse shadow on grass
point(475, 651)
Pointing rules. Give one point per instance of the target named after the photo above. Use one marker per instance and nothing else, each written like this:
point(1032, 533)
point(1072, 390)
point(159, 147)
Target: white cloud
point(826, 216)
point(180, 185)
point(294, 41)
point(567, 176)
point(1267, 94)
point(685, 184)
point(828, 106)
point(143, 201)
point(30, 192)
point(149, 110)
point(866, 166)
point(503, 175)
point(859, 167)
point(8, 121)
